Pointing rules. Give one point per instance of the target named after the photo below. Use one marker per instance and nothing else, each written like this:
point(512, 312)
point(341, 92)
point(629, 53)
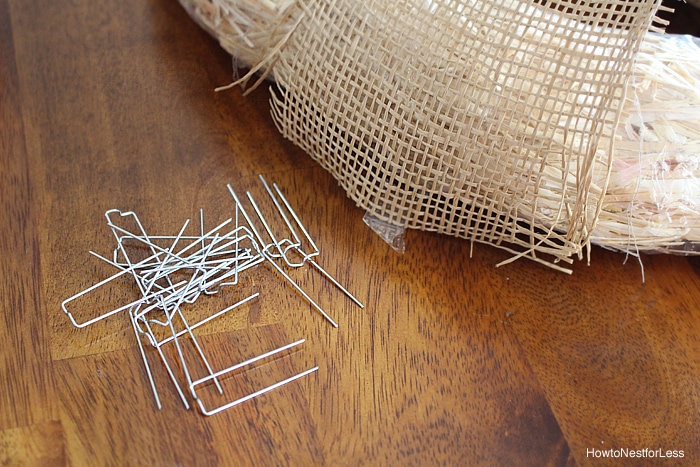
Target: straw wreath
point(626, 177)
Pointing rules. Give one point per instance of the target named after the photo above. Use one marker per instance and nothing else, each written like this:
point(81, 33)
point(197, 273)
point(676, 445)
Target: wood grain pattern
point(615, 364)
point(40, 444)
point(452, 362)
point(26, 386)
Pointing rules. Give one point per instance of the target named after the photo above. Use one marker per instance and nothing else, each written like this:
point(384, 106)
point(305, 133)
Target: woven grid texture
point(479, 119)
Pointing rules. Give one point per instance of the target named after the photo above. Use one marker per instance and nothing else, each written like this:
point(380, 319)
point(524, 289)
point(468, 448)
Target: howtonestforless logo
point(635, 453)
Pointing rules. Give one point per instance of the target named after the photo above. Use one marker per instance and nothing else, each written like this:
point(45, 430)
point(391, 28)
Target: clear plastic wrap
point(390, 233)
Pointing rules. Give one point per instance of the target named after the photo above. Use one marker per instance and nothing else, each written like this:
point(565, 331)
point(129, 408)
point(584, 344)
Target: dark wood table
point(453, 361)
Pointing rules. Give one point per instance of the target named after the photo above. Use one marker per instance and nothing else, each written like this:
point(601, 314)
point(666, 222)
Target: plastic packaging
point(390, 233)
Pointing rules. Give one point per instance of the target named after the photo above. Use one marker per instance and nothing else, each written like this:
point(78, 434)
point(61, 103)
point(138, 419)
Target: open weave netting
point(494, 121)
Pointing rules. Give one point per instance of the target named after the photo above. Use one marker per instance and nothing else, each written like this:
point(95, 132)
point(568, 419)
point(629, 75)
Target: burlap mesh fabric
point(479, 119)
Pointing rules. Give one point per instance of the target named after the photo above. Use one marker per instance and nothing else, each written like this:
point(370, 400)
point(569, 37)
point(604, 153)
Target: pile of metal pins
point(209, 262)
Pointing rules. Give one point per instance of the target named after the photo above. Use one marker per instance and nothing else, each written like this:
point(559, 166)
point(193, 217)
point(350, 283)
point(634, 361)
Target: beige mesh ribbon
point(478, 119)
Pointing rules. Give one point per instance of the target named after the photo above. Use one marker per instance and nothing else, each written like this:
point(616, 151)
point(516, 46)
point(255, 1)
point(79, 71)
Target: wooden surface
point(452, 362)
